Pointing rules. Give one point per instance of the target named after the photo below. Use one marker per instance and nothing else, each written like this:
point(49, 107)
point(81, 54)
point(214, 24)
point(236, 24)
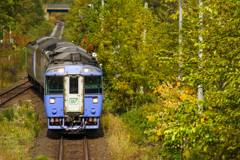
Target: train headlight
point(52, 100)
point(61, 70)
point(90, 70)
point(85, 70)
point(95, 100)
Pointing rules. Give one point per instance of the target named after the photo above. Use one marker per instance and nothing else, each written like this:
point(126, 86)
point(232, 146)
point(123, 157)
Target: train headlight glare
point(85, 70)
point(95, 100)
point(52, 100)
point(90, 70)
point(61, 70)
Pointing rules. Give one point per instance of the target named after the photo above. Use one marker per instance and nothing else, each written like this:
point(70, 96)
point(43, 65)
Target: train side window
point(54, 85)
point(73, 85)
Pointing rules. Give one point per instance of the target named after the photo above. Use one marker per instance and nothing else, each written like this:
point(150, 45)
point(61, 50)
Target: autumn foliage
point(139, 52)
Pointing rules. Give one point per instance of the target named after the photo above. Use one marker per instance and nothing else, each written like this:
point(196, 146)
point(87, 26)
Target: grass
point(19, 125)
point(119, 138)
point(42, 158)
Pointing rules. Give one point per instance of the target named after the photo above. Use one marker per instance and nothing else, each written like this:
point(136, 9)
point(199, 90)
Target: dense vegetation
point(139, 52)
point(131, 48)
point(19, 125)
point(23, 21)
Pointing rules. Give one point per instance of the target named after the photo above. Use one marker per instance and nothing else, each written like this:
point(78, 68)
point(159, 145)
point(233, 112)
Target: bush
point(44, 29)
point(8, 114)
point(137, 123)
point(42, 158)
point(18, 127)
point(119, 140)
point(188, 133)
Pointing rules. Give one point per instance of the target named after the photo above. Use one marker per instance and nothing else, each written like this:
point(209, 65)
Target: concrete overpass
point(50, 8)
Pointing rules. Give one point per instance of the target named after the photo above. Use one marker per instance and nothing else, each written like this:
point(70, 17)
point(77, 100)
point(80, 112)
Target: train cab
point(72, 82)
point(73, 97)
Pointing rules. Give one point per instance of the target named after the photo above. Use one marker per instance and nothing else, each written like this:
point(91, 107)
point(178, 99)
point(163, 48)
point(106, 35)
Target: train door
point(73, 94)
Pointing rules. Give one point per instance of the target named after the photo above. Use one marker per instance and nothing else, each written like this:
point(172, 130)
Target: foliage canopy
point(139, 52)
point(132, 45)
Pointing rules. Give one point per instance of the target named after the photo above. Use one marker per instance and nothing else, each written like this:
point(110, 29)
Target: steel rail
point(13, 88)
point(61, 148)
point(15, 95)
point(85, 147)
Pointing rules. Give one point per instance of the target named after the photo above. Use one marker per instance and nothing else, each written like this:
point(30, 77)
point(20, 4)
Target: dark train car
point(71, 81)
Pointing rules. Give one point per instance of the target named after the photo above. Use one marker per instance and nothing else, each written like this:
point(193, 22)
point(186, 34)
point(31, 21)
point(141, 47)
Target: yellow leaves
point(178, 84)
point(160, 88)
point(186, 154)
point(120, 20)
point(175, 16)
point(205, 149)
point(223, 157)
point(231, 148)
point(170, 105)
point(202, 120)
point(187, 91)
point(151, 119)
point(184, 97)
point(187, 95)
point(159, 133)
point(171, 0)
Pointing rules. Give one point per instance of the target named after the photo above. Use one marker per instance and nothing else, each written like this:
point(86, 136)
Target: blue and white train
point(71, 80)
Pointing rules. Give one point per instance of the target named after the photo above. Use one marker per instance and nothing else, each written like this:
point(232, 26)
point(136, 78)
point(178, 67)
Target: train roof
point(60, 51)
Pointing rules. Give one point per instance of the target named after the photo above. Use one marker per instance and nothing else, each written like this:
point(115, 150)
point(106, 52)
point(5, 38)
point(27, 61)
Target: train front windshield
point(54, 85)
point(93, 84)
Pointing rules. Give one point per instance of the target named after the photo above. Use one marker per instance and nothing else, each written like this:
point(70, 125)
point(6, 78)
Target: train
point(71, 81)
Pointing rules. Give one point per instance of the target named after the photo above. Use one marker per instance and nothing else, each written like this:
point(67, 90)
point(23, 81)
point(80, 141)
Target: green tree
point(135, 47)
point(21, 15)
point(212, 133)
point(79, 17)
point(131, 51)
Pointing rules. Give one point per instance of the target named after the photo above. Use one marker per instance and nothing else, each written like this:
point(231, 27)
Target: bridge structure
point(50, 8)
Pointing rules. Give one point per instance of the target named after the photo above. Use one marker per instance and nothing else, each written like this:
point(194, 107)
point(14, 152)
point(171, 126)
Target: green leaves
point(139, 50)
point(27, 13)
point(220, 79)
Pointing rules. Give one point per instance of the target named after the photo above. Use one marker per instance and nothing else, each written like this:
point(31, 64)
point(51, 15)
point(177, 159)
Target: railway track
point(57, 31)
point(73, 147)
point(13, 92)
